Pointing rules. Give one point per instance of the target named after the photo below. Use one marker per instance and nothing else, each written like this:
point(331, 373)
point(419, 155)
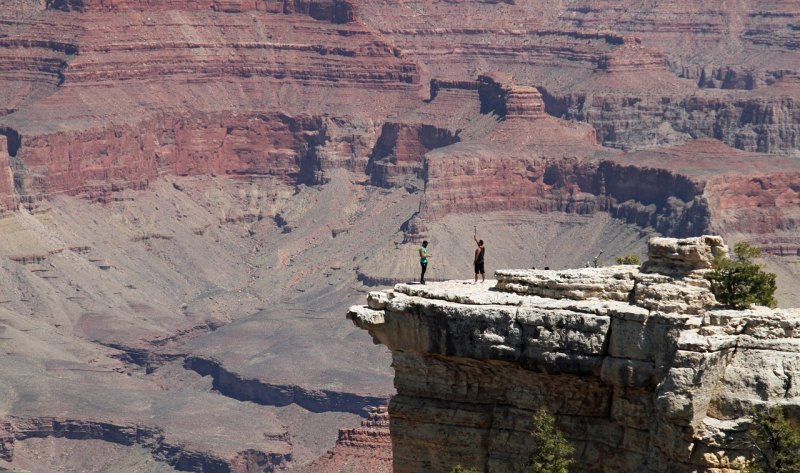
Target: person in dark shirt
point(478, 261)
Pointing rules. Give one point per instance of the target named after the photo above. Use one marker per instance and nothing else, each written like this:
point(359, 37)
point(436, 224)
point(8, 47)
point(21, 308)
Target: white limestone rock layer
point(642, 370)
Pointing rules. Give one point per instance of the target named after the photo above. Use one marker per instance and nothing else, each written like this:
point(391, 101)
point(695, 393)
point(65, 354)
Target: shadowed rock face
point(7, 194)
point(642, 369)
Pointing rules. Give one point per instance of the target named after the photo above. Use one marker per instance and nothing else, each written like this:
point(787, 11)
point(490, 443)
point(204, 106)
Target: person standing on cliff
point(423, 260)
point(478, 261)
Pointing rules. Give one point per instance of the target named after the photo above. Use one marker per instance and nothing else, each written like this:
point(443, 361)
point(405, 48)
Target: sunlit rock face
point(642, 368)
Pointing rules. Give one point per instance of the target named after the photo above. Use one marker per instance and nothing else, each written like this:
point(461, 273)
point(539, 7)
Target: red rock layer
point(687, 190)
point(365, 449)
point(96, 162)
point(485, 181)
point(632, 57)
point(499, 94)
point(337, 11)
point(694, 29)
point(188, 90)
point(765, 207)
point(398, 155)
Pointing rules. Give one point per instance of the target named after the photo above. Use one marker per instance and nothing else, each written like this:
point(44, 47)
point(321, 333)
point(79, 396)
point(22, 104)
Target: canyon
point(192, 193)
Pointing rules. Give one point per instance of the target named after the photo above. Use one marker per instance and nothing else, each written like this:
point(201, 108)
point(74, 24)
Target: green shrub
point(461, 469)
point(739, 282)
point(552, 453)
point(629, 259)
point(775, 442)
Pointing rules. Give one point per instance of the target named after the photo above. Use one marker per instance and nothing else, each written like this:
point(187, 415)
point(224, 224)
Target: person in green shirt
point(423, 260)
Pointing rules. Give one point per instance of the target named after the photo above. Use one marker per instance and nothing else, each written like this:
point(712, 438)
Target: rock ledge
point(642, 369)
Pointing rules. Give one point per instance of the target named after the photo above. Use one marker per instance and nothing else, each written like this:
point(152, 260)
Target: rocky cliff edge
point(643, 370)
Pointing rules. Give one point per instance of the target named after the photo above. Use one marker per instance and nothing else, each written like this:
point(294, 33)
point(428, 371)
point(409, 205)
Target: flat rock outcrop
point(641, 367)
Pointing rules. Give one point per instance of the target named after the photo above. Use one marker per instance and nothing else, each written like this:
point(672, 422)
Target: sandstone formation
point(641, 367)
point(365, 449)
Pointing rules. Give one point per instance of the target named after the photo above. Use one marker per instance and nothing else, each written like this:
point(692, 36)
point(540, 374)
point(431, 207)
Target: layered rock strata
point(190, 87)
point(364, 449)
point(516, 157)
point(642, 369)
point(130, 157)
point(336, 11)
point(642, 75)
point(623, 120)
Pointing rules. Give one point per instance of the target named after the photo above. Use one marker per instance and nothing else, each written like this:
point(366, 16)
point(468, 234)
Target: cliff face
point(640, 74)
point(95, 163)
point(502, 152)
point(337, 11)
point(626, 121)
point(217, 87)
point(641, 369)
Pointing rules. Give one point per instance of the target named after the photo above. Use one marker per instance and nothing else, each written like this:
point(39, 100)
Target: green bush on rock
point(740, 282)
point(775, 442)
point(553, 453)
point(629, 259)
point(461, 469)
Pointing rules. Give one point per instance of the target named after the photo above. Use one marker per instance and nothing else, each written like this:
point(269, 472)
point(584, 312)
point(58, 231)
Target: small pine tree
point(739, 282)
point(629, 259)
point(553, 453)
point(775, 442)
